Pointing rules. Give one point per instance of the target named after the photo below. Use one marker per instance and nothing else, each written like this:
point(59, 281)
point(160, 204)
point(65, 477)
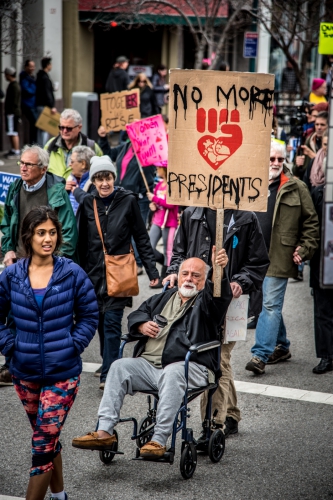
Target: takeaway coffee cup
point(161, 321)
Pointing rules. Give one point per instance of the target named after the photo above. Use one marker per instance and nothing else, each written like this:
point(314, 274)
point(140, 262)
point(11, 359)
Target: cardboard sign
point(119, 108)
point(325, 38)
point(149, 141)
point(5, 181)
point(219, 139)
point(236, 319)
point(48, 121)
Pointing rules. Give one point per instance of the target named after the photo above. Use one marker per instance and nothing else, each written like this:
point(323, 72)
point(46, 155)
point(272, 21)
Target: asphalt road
point(283, 450)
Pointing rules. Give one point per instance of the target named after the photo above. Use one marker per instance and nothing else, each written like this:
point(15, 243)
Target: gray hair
point(43, 156)
point(207, 267)
point(279, 148)
point(84, 153)
point(71, 114)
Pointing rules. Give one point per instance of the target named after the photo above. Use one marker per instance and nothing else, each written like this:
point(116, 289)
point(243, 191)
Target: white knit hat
point(101, 164)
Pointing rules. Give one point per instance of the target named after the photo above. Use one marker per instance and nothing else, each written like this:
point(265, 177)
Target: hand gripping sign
point(219, 139)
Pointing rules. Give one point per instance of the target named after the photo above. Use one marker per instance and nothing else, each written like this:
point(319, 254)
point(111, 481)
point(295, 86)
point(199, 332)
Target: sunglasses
point(69, 129)
point(142, 81)
point(279, 159)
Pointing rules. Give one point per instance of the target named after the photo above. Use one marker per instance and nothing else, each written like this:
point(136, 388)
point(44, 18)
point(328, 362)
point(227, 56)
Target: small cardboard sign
point(236, 319)
point(325, 38)
point(149, 140)
point(119, 108)
point(48, 121)
point(219, 139)
point(5, 181)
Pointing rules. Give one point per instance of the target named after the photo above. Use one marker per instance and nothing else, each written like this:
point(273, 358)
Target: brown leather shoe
point(152, 450)
point(91, 441)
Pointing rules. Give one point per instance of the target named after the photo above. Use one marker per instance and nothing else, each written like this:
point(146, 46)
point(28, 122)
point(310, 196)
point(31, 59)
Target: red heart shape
point(216, 150)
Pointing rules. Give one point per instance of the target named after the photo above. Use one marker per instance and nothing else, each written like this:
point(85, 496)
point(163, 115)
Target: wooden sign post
point(219, 141)
point(218, 271)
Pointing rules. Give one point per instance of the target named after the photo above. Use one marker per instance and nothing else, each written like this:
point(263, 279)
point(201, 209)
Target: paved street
point(284, 448)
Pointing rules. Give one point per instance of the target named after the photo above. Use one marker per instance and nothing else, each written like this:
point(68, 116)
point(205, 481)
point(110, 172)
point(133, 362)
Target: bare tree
point(203, 18)
point(16, 28)
point(295, 21)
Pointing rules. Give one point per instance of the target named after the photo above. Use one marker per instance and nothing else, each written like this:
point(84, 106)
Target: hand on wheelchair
point(172, 278)
point(150, 328)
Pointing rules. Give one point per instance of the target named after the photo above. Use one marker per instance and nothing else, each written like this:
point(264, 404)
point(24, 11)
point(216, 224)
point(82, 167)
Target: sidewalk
point(8, 165)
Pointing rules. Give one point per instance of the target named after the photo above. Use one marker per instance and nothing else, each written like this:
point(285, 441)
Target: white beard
point(185, 292)
point(274, 175)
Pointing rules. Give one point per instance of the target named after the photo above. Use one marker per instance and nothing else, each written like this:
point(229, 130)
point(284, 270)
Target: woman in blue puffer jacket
point(54, 315)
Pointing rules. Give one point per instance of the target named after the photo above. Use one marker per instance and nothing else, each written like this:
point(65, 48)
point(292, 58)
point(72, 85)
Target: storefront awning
point(105, 11)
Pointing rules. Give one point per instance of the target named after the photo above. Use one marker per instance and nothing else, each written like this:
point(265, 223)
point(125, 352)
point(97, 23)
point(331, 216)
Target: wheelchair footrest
point(114, 452)
point(167, 458)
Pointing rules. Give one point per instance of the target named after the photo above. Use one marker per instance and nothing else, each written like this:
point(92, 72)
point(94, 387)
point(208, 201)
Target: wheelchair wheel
point(106, 456)
point(145, 422)
point(188, 461)
point(216, 446)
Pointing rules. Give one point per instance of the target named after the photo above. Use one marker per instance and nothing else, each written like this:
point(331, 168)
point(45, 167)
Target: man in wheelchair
point(193, 315)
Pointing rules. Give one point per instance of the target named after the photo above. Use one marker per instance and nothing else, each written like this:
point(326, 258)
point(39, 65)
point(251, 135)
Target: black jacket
point(44, 90)
point(117, 81)
point(317, 195)
point(13, 99)
point(148, 103)
point(123, 221)
point(200, 323)
point(133, 179)
point(244, 244)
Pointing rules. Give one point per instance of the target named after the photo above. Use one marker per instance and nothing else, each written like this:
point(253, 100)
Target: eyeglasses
point(69, 129)
point(142, 81)
point(279, 159)
point(28, 165)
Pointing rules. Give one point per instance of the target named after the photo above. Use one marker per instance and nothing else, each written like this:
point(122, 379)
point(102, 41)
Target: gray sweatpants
point(129, 375)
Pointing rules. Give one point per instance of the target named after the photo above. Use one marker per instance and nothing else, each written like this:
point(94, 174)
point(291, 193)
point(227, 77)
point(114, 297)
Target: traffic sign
point(250, 44)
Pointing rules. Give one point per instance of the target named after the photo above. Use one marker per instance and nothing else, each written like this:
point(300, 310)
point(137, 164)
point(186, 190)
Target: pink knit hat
point(316, 83)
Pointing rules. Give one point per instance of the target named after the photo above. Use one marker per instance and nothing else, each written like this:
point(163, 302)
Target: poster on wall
point(219, 138)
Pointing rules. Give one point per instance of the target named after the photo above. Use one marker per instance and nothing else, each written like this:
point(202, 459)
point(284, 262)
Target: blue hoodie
point(48, 344)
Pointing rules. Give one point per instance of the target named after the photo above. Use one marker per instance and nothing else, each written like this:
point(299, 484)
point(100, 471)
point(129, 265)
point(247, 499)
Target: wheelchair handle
point(204, 346)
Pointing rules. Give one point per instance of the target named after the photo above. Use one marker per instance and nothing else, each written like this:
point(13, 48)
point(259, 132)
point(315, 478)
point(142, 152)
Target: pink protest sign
point(149, 141)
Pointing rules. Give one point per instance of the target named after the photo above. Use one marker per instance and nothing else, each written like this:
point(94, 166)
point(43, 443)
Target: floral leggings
point(47, 408)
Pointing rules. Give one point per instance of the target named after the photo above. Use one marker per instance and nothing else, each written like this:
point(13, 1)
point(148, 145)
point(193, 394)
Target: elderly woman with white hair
point(61, 147)
point(80, 164)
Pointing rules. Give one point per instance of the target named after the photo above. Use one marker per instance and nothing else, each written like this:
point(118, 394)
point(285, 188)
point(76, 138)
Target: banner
point(236, 319)
point(149, 140)
point(325, 38)
point(49, 121)
point(119, 108)
point(219, 138)
point(5, 181)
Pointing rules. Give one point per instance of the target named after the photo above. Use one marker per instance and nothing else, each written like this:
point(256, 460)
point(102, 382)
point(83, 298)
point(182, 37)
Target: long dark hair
point(35, 218)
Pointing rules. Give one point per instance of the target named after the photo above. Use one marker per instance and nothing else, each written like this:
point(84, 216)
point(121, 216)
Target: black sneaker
point(256, 365)
point(98, 372)
point(5, 376)
point(279, 354)
point(230, 426)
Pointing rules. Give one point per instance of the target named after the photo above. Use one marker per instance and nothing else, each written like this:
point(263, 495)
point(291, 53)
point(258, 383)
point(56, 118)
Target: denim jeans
point(144, 208)
point(109, 329)
point(271, 330)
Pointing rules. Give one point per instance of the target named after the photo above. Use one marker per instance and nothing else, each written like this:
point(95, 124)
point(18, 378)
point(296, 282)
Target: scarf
point(317, 175)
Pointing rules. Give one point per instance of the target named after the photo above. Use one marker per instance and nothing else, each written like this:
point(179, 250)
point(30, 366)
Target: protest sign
point(119, 108)
point(149, 140)
point(48, 121)
point(5, 181)
point(236, 319)
point(325, 38)
point(219, 138)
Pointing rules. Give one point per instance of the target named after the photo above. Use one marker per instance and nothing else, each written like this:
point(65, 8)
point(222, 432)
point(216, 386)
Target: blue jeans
point(144, 209)
point(271, 330)
point(109, 329)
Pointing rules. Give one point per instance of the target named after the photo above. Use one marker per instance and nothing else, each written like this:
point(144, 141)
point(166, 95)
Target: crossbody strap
point(98, 225)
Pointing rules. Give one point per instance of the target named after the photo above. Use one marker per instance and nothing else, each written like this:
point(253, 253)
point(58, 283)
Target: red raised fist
point(216, 150)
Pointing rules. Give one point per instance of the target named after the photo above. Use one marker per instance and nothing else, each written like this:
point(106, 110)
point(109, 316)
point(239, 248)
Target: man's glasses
point(27, 164)
point(279, 159)
point(69, 129)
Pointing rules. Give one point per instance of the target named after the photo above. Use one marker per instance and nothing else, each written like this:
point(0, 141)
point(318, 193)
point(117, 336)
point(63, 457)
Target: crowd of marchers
point(77, 210)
